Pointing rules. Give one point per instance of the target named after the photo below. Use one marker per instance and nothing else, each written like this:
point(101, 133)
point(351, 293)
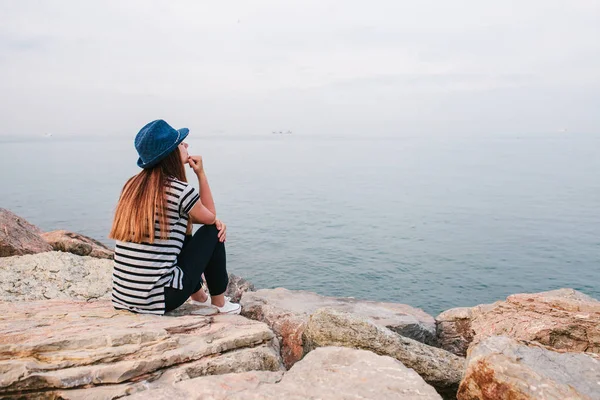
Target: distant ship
point(281, 133)
point(47, 135)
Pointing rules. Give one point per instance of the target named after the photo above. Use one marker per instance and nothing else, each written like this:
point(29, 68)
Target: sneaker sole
point(206, 303)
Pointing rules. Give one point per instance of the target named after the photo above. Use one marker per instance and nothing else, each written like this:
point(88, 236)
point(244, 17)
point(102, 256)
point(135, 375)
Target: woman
point(158, 265)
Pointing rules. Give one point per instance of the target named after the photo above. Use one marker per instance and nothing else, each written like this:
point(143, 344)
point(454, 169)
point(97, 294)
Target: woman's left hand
point(222, 235)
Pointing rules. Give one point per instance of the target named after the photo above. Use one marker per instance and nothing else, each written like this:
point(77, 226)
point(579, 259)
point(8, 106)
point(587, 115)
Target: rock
point(502, 368)
point(54, 275)
point(259, 359)
point(563, 319)
point(329, 327)
point(287, 311)
point(326, 373)
point(454, 331)
point(18, 237)
point(77, 244)
point(61, 347)
point(218, 387)
point(237, 287)
point(58, 275)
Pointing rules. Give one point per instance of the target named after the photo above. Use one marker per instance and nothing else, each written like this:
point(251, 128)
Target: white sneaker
point(207, 302)
point(229, 308)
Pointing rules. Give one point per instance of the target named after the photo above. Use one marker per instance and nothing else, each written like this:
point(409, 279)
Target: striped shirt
point(143, 270)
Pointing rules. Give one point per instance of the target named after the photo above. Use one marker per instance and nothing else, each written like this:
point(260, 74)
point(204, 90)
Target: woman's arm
point(204, 211)
point(199, 214)
point(205, 193)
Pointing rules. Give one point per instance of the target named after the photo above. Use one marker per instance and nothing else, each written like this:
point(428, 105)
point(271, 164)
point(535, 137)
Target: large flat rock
point(260, 359)
point(61, 347)
point(501, 368)
point(563, 319)
point(439, 368)
point(287, 312)
point(58, 275)
point(54, 275)
point(325, 373)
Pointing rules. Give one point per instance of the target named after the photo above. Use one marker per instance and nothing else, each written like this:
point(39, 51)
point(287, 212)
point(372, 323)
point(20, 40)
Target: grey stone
point(237, 287)
point(54, 275)
point(439, 368)
point(59, 275)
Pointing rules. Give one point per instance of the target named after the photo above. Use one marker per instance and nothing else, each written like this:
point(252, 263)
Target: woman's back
point(143, 270)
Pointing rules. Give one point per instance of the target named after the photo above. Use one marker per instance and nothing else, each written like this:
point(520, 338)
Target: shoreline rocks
point(76, 243)
point(439, 368)
point(561, 320)
point(288, 311)
point(325, 373)
point(19, 237)
point(64, 345)
point(61, 338)
point(54, 275)
point(58, 275)
point(501, 368)
point(237, 287)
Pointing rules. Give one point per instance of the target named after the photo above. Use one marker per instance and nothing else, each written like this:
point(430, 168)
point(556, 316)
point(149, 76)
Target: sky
point(314, 67)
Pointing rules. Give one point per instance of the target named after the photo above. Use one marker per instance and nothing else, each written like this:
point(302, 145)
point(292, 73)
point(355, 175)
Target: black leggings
point(201, 253)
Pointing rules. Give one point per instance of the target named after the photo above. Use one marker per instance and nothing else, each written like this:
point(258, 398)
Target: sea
point(435, 222)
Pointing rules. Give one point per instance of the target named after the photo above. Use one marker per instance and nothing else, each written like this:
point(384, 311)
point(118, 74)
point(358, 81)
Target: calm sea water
point(432, 222)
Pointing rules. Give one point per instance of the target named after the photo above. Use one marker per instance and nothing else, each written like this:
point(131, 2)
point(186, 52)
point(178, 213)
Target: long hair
point(143, 198)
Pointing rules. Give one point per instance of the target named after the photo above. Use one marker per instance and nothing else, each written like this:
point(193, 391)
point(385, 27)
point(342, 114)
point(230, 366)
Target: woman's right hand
point(196, 164)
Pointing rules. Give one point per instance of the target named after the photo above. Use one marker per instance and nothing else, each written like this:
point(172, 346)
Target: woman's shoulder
point(176, 183)
point(180, 188)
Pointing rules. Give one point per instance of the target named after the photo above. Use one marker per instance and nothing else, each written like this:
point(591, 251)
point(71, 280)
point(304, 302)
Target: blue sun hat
point(156, 140)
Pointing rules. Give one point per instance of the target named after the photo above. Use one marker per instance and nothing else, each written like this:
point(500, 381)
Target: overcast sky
point(315, 67)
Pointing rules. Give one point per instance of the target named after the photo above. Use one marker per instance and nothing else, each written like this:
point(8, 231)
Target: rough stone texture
point(48, 348)
point(329, 327)
point(54, 275)
point(502, 368)
point(77, 244)
point(237, 287)
point(326, 373)
point(563, 319)
point(218, 387)
point(263, 357)
point(58, 275)
point(454, 331)
point(18, 237)
point(287, 311)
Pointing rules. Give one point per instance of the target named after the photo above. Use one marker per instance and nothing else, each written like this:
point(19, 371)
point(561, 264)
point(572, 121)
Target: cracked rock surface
point(54, 275)
point(287, 313)
point(325, 373)
point(561, 320)
point(58, 275)
point(501, 368)
point(56, 348)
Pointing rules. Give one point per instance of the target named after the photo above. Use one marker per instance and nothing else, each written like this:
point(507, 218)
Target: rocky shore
point(61, 338)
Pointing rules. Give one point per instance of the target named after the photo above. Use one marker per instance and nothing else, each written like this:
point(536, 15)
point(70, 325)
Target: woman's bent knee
point(208, 230)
